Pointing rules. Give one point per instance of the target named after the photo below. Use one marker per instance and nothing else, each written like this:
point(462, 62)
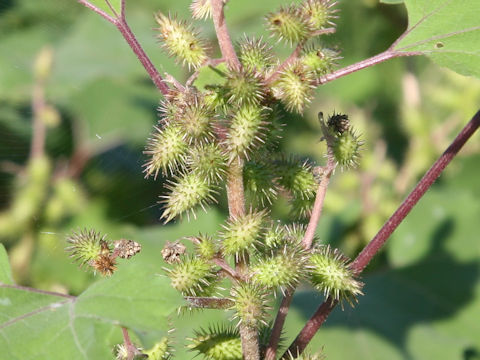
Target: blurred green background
point(422, 294)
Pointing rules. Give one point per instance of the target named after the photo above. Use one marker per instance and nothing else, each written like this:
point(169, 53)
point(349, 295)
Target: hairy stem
point(362, 260)
point(374, 60)
point(209, 302)
point(271, 352)
point(306, 241)
point(224, 41)
point(130, 38)
point(131, 349)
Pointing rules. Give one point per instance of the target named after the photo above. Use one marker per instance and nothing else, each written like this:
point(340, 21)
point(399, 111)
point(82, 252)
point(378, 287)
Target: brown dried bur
point(171, 251)
point(126, 248)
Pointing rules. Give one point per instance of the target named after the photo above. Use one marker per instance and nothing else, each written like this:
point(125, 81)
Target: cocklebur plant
point(220, 137)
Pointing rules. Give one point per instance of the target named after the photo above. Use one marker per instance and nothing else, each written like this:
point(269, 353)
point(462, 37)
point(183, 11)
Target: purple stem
point(362, 260)
point(130, 38)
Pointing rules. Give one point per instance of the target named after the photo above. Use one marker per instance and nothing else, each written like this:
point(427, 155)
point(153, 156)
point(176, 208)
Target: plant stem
point(209, 302)
point(306, 241)
point(224, 41)
point(374, 60)
point(362, 260)
point(271, 352)
point(131, 349)
point(122, 25)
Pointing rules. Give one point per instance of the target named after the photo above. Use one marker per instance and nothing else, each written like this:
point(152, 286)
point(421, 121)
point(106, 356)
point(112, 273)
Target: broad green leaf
point(5, 271)
point(42, 326)
point(446, 215)
point(111, 7)
point(448, 31)
point(209, 75)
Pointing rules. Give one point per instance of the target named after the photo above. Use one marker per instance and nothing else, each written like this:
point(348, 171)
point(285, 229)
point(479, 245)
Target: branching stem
point(122, 25)
point(224, 41)
point(362, 260)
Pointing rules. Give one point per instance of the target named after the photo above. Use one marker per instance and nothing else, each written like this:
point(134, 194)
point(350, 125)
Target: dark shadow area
point(433, 289)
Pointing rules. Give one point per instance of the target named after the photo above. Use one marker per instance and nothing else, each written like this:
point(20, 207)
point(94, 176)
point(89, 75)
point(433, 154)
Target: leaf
point(5, 271)
point(42, 326)
point(448, 31)
point(391, 2)
point(111, 7)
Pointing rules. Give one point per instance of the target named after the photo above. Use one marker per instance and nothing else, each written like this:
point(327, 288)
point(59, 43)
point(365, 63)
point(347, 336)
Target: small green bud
point(209, 161)
point(205, 247)
point(302, 207)
point(256, 55)
point(274, 236)
point(283, 269)
point(181, 41)
point(167, 148)
point(246, 131)
point(294, 86)
point(85, 245)
point(346, 149)
point(258, 179)
point(250, 304)
point(89, 247)
point(331, 274)
point(160, 351)
point(186, 192)
point(297, 177)
point(244, 87)
point(242, 233)
point(192, 276)
point(289, 23)
point(320, 61)
point(221, 343)
point(319, 13)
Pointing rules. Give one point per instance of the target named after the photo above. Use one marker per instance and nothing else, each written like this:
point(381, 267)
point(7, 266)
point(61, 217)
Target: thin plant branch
point(306, 241)
point(131, 349)
point(235, 275)
point(224, 41)
point(366, 255)
point(374, 60)
point(209, 302)
point(97, 10)
point(271, 352)
point(293, 56)
point(122, 25)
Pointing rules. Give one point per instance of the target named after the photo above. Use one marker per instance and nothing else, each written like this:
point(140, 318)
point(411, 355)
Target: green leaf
point(111, 7)
point(448, 31)
point(391, 2)
point(36, 325)
point(5, 271)
point(209, 75)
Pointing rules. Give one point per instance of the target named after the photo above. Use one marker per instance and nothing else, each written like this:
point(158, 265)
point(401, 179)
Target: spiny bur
point(192, 276)
point(242, 233)
point(217, 343)
point(186, 192)
point(181, 41)
point(166, 149)
point(289, 24)
point(331, 274)
point(250, 304)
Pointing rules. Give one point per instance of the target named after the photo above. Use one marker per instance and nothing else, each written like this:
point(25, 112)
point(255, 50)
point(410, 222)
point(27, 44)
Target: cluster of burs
point(208, 131)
